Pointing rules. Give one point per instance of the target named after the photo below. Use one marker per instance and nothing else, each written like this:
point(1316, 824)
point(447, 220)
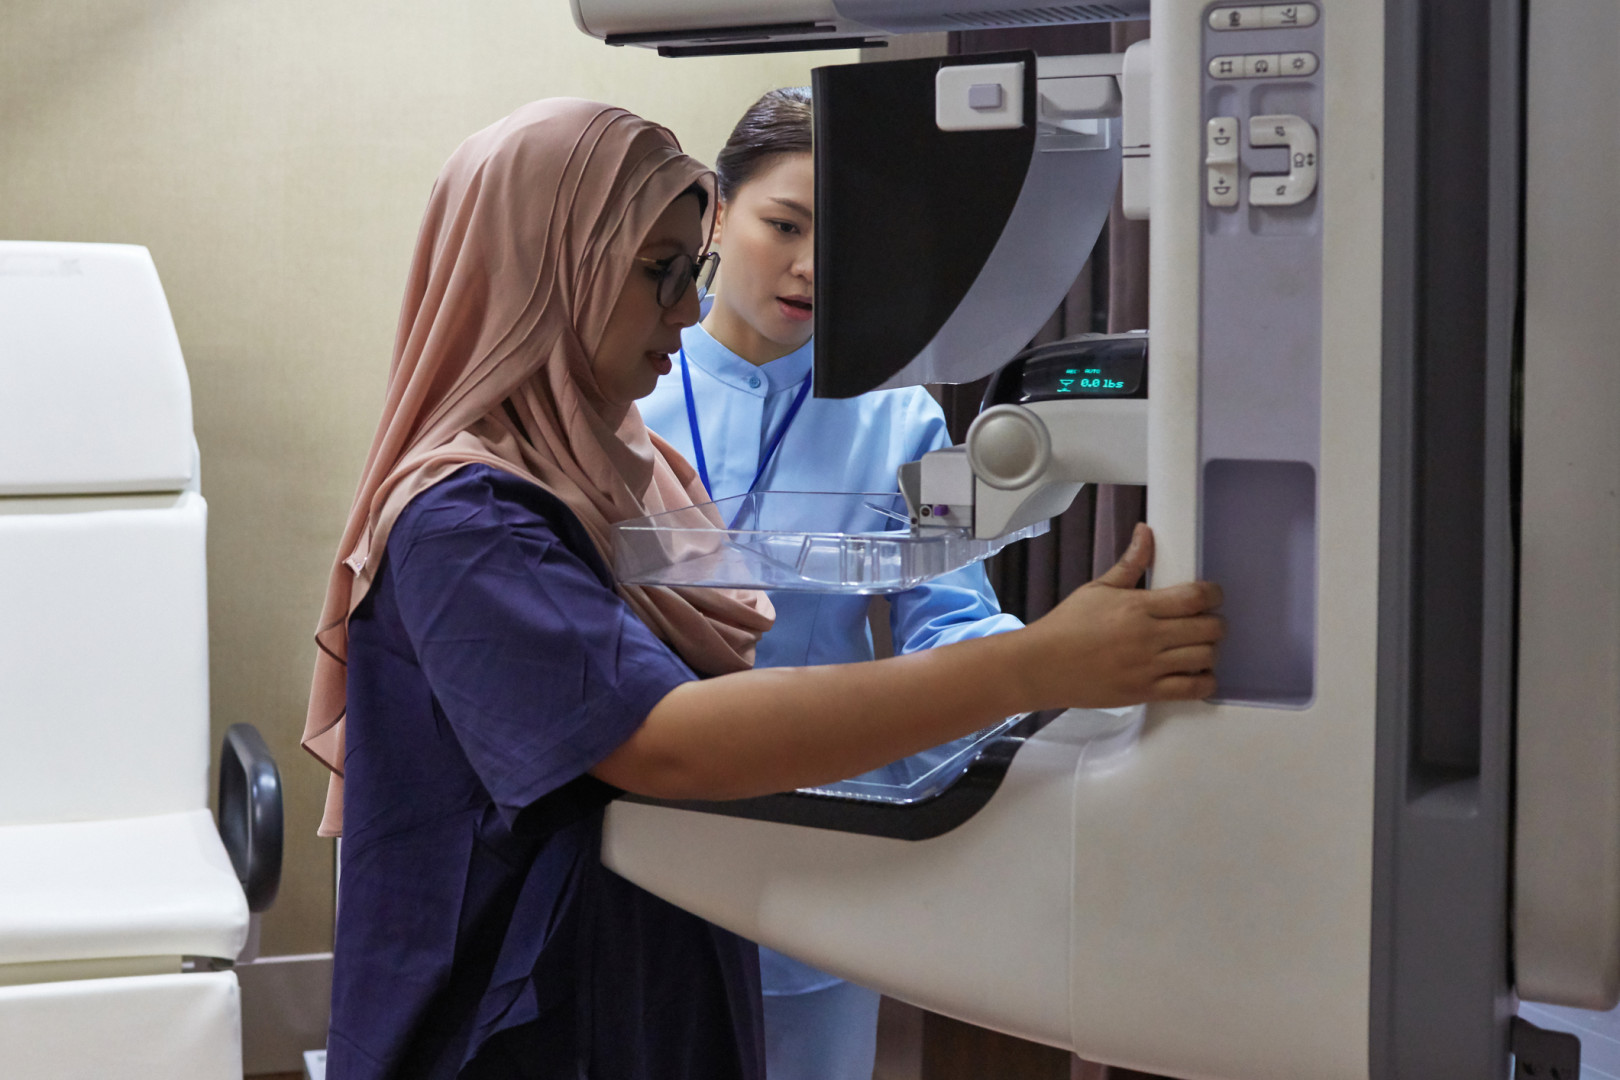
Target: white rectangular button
point(1236, 18)
point(1280, 130)
point(1260, 65)
point(1299, 183)
point(1226, 67)
point(1274, 15)
point(1298, 64)
point(1221, 186)
point(983, 96)
point(1281, 190)
point(963, 97)
point(1221, 141)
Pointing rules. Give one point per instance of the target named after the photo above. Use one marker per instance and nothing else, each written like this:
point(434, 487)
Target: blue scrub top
point(491, 666)
point(844, 444)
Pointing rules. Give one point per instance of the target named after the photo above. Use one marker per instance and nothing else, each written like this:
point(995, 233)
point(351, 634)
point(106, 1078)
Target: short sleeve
point(953, 607)
point(539, 667)
point(925, 424)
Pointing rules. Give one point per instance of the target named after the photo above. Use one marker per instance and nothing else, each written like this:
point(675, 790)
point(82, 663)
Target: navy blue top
point(490, 667)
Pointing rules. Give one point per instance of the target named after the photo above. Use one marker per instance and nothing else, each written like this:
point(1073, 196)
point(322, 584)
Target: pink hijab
point(528, 238)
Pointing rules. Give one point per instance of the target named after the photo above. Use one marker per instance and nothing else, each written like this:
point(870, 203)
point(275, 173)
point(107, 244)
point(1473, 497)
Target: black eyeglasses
point(677, 273)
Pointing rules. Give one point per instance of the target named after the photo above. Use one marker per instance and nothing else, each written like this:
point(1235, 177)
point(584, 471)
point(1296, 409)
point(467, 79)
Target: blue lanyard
point(770, 446)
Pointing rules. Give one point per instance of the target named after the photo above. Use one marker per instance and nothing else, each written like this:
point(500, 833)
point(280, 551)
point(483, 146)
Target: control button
point(1239, 18)
point(1274, 15)
point(1281, 130)
point(1297, 63)
point(1259, 65)
point(1299, 183)
point(1221, 141)
point(1288, 190)
point(1263, 66)
point(1222, 185)
point(982, 96)
point(1221, 155)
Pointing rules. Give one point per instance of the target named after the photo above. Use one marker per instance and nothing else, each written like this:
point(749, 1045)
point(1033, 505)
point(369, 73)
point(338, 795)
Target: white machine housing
point(718, 27)
point(1309, 875)
point(1057, 417)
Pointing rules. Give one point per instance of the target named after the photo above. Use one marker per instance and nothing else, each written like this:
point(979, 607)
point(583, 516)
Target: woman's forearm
point(761, 731)
point(774, 729)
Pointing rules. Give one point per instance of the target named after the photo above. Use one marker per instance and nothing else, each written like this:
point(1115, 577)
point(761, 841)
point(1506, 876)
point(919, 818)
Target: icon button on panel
point(1299, 64)
point(1237, 18)
point(1299, 183)
point(1221, 141)
point(1283, 129)
point(1221, 185)
point(1267, 17)
point(1263, 66)
point(1277, 15)
point(1260, 65)
point(1221, 157)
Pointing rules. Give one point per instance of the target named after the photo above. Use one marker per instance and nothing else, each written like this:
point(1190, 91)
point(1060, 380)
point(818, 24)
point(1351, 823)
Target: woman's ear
point(719, 226)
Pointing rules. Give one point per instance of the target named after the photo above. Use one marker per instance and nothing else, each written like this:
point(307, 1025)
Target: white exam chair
point(120, 908)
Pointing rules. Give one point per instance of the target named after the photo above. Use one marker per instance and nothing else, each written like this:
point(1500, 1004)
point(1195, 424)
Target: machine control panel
point(1247, 99)
point(1263, 65)
point(1262, 73)
point(1265, 189)
point(1221, 159)
point(1299, 183)
point(1266, 17)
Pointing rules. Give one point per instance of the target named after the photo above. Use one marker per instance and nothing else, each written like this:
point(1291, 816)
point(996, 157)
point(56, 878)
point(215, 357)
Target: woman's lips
point(660, 362)
point(795, 309)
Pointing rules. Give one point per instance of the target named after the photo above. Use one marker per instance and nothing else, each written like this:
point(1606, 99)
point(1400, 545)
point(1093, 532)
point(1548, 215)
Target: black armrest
point(250, 813)
point(922, 820)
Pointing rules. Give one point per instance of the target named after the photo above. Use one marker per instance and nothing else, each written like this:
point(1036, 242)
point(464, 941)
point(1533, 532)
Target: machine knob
point(1008, 447)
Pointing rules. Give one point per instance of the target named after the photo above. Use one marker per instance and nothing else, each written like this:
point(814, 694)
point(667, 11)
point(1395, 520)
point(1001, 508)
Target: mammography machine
point(1379, 410)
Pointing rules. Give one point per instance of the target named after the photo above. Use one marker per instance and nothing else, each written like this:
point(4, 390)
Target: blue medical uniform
point(491, 666)
point(852, 444)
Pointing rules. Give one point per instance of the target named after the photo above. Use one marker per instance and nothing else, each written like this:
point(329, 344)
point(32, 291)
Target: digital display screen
point(1083, 366)
point(1090, 380)
point(1118, 375)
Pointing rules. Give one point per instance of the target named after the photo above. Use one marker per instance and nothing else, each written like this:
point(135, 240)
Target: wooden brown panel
point(953, 1050)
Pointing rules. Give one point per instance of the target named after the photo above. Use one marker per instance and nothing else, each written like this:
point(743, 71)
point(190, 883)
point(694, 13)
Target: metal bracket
point(1541, 1054)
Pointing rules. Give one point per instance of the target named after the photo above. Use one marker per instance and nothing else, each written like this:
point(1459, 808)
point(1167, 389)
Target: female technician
point(483, 685)
point(737, 404)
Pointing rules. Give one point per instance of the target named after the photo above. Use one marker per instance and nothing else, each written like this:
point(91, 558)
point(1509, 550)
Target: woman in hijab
point(484, 687)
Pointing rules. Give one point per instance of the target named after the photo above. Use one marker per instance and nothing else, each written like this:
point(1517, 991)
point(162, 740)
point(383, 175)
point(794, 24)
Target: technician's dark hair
point(778, 123)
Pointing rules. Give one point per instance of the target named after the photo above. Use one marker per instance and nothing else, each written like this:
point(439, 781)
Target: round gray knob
point(1008, 447)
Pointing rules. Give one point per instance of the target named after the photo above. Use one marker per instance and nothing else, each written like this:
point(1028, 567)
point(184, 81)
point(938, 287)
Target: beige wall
point(276, 158)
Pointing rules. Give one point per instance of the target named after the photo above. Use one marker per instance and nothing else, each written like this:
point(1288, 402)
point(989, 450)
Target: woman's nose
point(805, 265)
point(687, 310)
